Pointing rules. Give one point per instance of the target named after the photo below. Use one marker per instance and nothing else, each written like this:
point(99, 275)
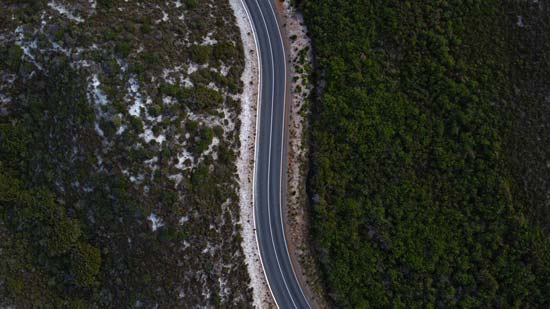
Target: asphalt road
point(270, 159)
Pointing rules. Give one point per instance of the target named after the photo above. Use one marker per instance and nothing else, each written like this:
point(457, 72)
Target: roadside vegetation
point(430, 147)
point(118, 136)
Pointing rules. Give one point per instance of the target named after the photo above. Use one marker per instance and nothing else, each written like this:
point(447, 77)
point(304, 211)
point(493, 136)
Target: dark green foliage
point(123, 48)
point(151, 58)
point(200, 97)
point(413, 201)
point(169, 90)
point(14, 57)
point(201, 53)
point(206, 135)
point(224, 50)
point(85, 264)
point(206, 76)
point(62, 235)
point(109, 35)
point(191, 4)
point(146, 27)
point(206, 98)
point(137, 124)
point(41, 238)
point(41, 232)
point(107, 4)
point(155, 110)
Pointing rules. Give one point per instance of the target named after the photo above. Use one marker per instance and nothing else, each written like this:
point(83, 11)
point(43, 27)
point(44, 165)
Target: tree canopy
point(414, 198)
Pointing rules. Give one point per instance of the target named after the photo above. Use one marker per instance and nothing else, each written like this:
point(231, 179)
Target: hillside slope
point(118, 136)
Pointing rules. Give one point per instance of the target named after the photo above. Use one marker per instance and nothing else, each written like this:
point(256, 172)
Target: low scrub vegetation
point(429, 162)
point(117, 172)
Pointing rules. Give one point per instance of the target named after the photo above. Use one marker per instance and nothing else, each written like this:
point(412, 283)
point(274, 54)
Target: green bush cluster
point(124, 48)
point(216, 53)
point(199, 98)
point(200, 53)
point(42, 233)
point(15, 53)
point(191, 4)
point(85, 264)
point(413, 201)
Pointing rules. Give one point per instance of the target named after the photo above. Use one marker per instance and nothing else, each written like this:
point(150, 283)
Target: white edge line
point(282, 147)
point(258, 108)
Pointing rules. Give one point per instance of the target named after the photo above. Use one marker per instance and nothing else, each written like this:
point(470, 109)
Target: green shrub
point(106, 3)
point(137, 124)
point(85, 264)
point(169, 90)
point(191, 4)
point(123, 48)
point(224, 50)
point(151, 58)
point(15, 53)
point(155, 110)
point(200, 53)
point(206, 98)
point(206, 135)
point(63, 236)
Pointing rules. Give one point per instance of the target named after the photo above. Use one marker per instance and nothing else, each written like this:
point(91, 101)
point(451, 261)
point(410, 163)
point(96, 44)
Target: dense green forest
point(118, 136)
point(430, 148)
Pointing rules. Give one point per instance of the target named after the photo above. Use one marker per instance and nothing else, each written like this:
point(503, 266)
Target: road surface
point(270, 159)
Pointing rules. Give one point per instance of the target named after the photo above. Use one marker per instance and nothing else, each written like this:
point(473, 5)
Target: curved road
point(270, 159)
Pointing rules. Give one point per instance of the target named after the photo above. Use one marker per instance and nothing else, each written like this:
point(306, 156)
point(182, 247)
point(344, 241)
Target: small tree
point(85, 264)
point(191, 4)
point(200, 53)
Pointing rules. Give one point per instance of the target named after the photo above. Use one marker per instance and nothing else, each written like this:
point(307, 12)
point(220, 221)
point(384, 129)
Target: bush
point(85, 264)
point(137, 124)
point(191, 4)
point(206, 98)
point(15, 53)
point(123, 48)
point(224, 50)
point(169, 90)
point(206, 135)
point(151, 58)
point(63, 236)
point(106, 3)
point(200, 53)
point(155, 110)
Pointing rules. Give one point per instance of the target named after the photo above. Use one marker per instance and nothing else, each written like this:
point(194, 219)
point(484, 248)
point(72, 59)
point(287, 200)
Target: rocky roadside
point(298, 215)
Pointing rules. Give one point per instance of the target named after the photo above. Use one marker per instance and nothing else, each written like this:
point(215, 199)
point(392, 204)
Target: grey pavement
point(270, 159)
